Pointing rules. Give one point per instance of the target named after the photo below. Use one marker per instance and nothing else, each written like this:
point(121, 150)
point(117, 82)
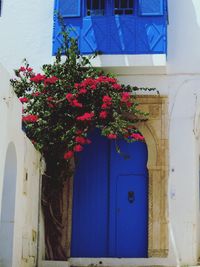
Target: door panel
point(110, 205)
point(131, 216)
point(90, 200)
point(130, 164)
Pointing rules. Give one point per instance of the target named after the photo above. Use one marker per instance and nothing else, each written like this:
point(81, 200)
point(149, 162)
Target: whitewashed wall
point(19, 184)
point(26, 31)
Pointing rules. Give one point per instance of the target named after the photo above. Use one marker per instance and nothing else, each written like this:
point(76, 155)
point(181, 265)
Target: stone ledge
point(132, 64)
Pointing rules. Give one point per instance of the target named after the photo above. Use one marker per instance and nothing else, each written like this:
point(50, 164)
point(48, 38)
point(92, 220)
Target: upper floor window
point(95, 7)
point(114, 26)
point(123, 7)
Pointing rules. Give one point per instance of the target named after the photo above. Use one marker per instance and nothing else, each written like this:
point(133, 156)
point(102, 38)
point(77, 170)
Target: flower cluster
point(30, 118)
point(93, 102)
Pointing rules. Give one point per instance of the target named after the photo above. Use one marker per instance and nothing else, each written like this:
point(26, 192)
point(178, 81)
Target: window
point(123, 7)
point(95, 7)
point(114, 26)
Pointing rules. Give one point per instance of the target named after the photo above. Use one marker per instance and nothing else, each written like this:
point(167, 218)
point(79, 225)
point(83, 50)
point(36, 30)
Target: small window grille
point(123, 7)
point(95, 7)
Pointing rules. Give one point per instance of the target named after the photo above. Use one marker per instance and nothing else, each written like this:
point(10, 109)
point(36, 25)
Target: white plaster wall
point(26, 31)
point(26, 193)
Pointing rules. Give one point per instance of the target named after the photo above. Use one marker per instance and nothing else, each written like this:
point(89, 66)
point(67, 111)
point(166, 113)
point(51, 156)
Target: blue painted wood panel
point(151, 7)
point(94, 35)
point(151, 36)
point(70, 8)
point(143, 32)
point(131, 165)
point(131, 216)
point(105, 221)
point(90, 201)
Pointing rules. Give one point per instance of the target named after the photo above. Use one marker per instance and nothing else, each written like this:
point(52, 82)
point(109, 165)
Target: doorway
point(110, 200)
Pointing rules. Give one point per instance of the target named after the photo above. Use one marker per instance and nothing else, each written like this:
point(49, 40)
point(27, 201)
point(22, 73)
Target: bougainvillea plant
point(61, 105)
point(58, 112)
point(64, 102)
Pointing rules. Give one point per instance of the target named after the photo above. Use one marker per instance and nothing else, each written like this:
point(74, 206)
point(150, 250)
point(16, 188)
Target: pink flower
point(51, 80)
point(125, 97)
point(22, 69)
point(29, 69)
point(76, 85)
point(68, 154)
point(117, 86)
point(78, 148)
point(89, 82)
point(107, 102)
point(50, 98)
point(30, 118)
point(36, 94)
point(103, 115)
point(23, 99)
point(105, 106)
point(82, 91)
point(107, 99)
point(79, 132)
point(86, 117)
point(93, 87)
point(106, 79)
point(38, 78)
point(112, 136)
point(81, 140)
point(75, 103)
point(49, 102)
point(129, 104)
point(69, 97)
point(137, 136)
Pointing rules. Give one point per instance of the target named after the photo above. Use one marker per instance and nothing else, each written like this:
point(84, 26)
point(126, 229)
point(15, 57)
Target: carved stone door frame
point(155, 131)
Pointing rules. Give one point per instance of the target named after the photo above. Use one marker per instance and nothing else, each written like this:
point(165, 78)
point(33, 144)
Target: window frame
point(133, 8)
point(95, 15)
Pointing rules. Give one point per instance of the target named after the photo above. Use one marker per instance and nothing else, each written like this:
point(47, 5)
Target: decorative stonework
point(155, 131)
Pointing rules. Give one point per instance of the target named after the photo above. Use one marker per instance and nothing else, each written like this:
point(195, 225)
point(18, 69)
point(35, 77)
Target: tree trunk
point(57, 208)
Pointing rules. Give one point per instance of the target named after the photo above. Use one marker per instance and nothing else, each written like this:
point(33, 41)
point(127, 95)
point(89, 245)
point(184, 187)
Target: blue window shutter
point(70, 8)
point(151, 7)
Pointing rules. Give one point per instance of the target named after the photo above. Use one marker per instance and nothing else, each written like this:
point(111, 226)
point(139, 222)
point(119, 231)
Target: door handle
point(131, 196)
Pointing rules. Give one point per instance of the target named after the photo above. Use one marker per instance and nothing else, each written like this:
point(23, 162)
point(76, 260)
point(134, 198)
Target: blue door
point(110, 200)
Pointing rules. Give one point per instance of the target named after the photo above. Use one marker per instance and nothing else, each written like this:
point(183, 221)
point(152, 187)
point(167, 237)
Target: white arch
point(8, 206)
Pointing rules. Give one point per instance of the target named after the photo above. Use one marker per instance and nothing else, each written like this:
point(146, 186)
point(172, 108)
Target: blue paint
point(90, 201)
point(105, 221)
point(129, 224)
point(70, 8)
point(143, 32)
point(151, 7)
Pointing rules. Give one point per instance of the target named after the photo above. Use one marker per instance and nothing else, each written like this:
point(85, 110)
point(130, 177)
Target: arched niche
point(8, 206)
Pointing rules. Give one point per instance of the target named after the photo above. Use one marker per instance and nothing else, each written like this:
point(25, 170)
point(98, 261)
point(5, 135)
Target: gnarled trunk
point(57, 207)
